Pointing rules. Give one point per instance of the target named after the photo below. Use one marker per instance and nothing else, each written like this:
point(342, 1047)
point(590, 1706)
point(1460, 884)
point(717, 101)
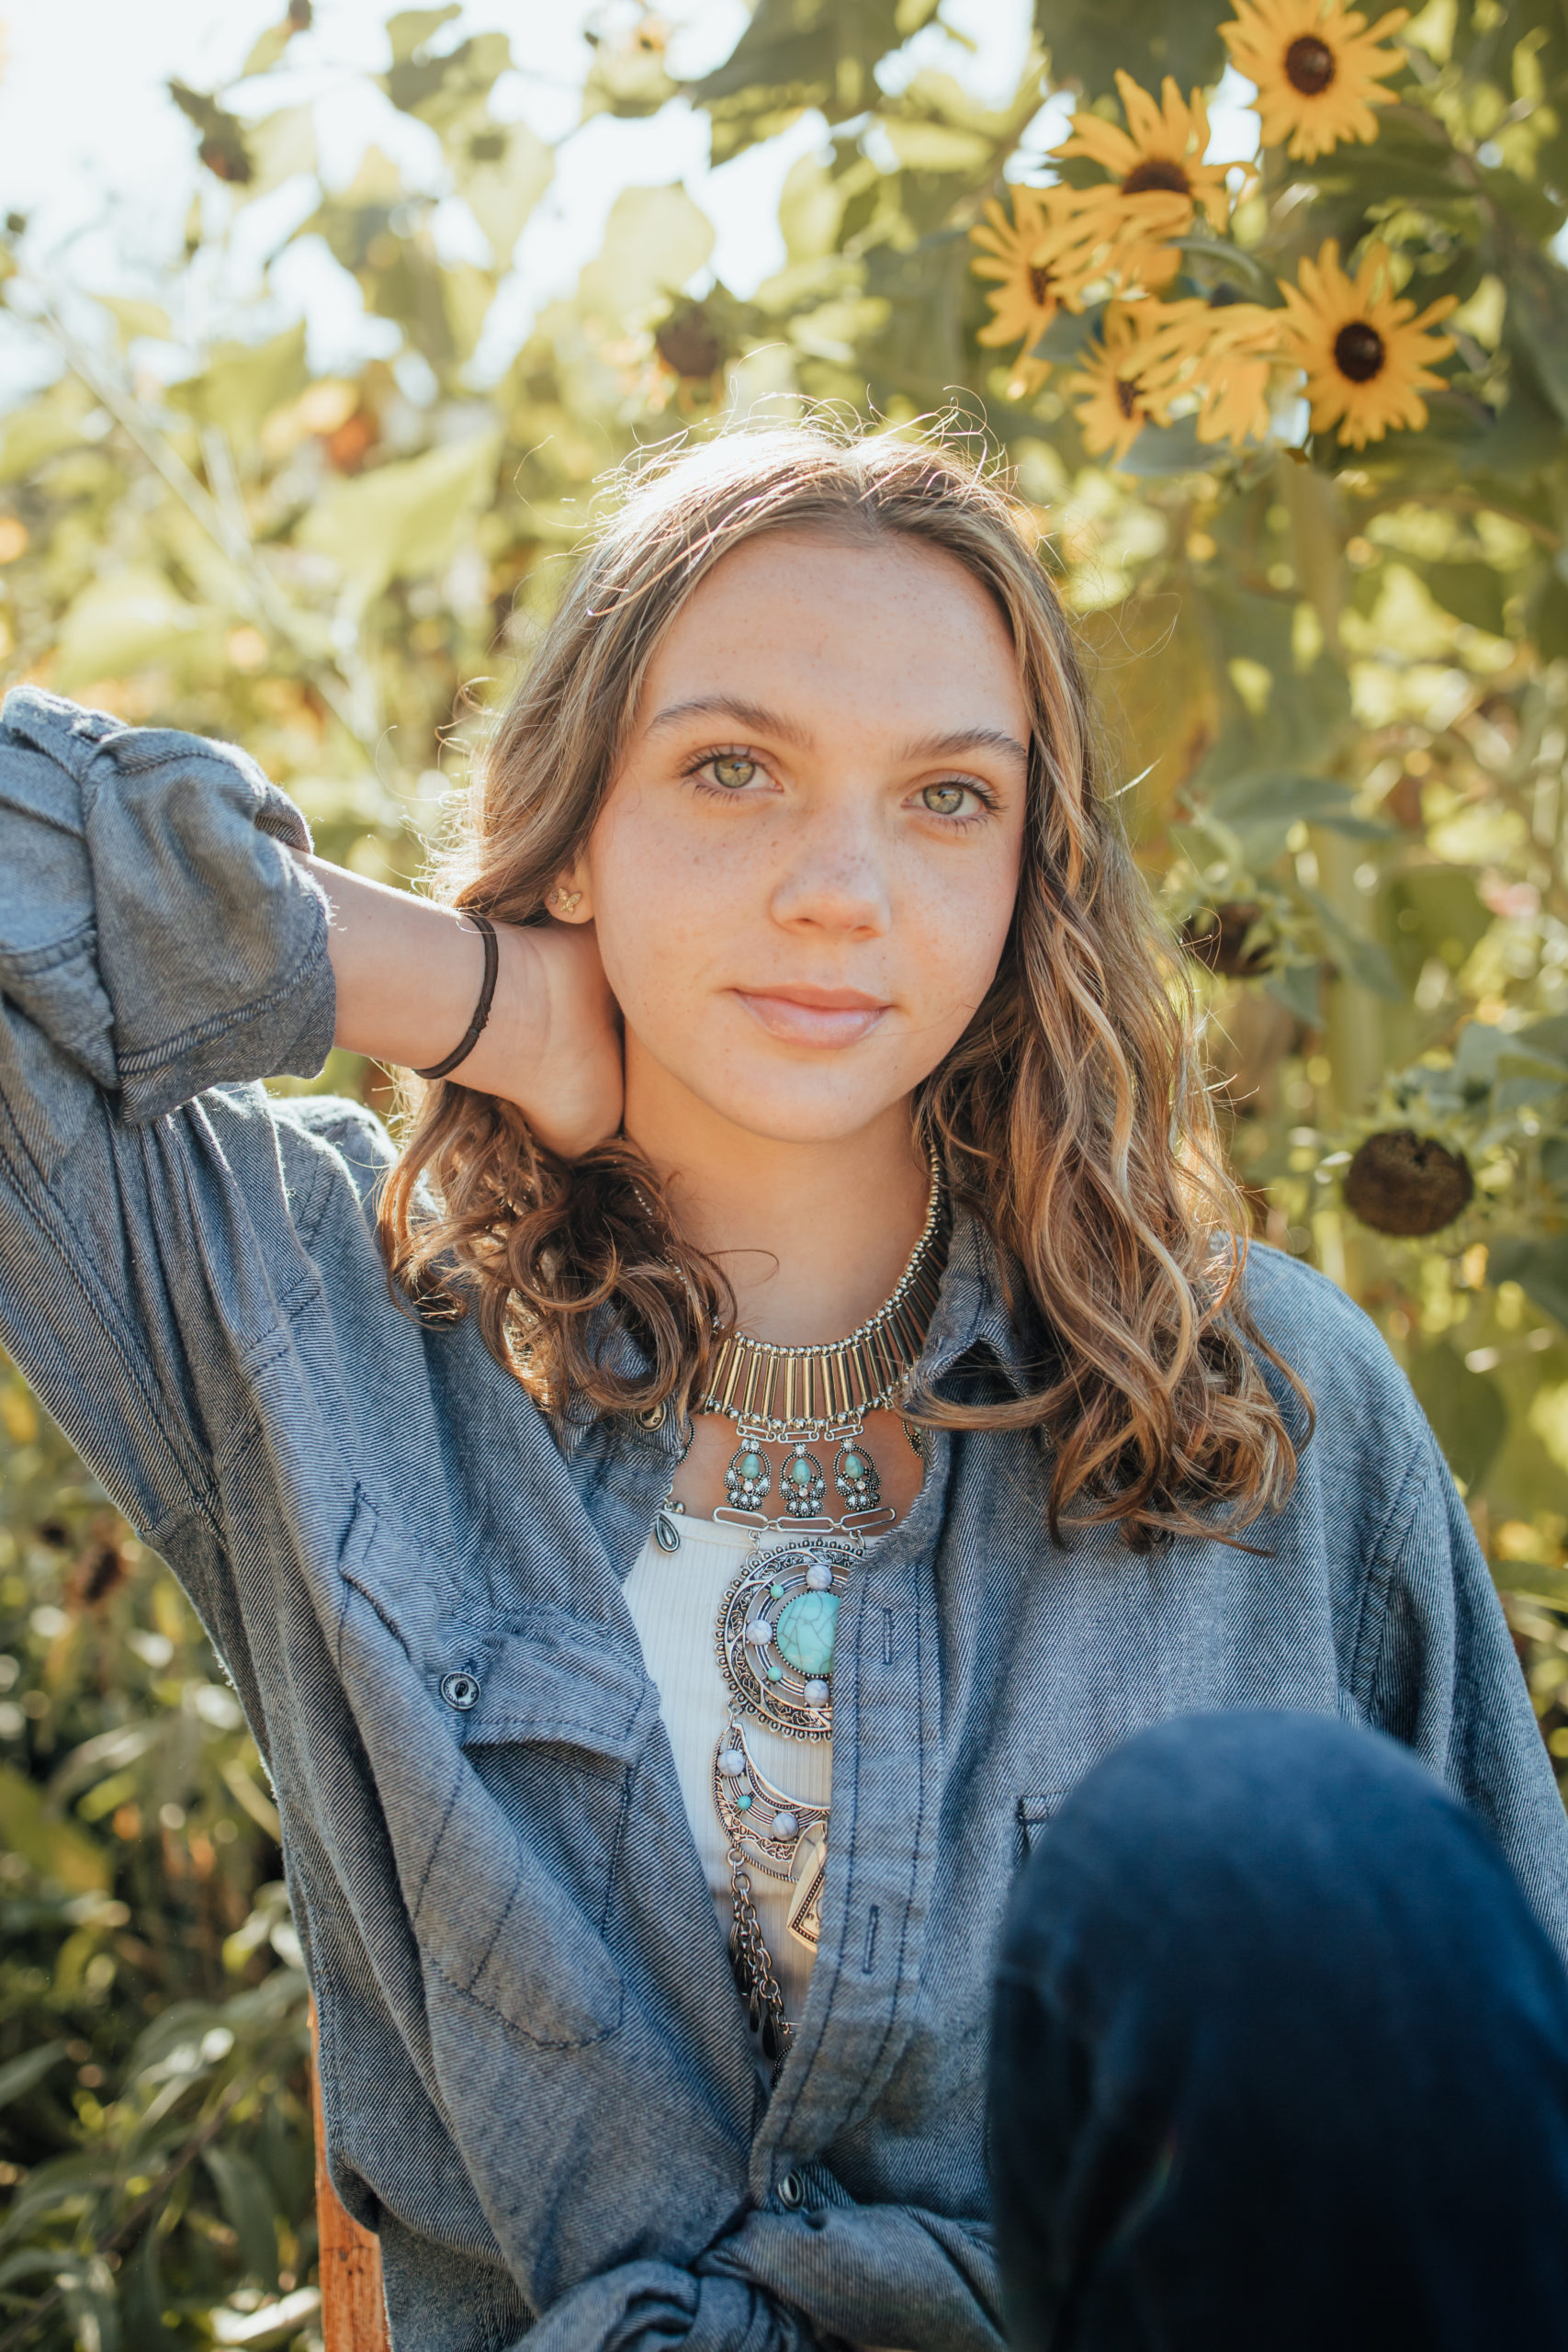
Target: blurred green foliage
point(1339, 680)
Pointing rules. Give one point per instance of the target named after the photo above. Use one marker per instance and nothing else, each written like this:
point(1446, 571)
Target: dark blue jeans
point(1280, 2060)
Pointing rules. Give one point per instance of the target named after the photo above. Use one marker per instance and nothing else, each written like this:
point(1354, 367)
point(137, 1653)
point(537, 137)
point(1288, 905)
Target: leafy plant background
point(1334, 685)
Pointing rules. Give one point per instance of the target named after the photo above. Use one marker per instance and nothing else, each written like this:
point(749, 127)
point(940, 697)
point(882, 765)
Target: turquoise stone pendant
point(802, 1484)
point(774, 1636)
point(854, 1475)
point(803, 1634)
point(749, 1481)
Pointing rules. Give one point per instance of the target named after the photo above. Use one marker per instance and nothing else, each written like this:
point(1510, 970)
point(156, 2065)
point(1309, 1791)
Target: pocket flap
point(553, 1677)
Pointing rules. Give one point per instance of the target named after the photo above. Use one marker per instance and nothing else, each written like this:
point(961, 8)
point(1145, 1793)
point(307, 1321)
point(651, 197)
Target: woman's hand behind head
point(553, 1045)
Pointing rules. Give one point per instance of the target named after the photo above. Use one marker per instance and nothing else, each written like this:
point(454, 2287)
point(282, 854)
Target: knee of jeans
point(1232, 1825)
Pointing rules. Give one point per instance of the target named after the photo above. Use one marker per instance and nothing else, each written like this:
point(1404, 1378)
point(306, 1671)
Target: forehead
point(885, 622)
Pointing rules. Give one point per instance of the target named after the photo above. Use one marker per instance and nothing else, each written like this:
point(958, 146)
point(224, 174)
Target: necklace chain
point(786, 1395)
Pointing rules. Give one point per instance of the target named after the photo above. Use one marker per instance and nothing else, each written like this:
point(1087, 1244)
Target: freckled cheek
point(663, 915)
point(950, 935)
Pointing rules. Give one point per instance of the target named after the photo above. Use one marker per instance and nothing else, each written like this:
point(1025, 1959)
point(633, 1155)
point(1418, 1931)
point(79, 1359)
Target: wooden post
point(354, 2308)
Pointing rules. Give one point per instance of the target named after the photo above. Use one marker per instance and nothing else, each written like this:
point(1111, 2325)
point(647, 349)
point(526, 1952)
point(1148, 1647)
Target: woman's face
point(804, 874)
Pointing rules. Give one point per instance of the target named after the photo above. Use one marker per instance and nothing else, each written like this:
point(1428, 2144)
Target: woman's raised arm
point(408, 975)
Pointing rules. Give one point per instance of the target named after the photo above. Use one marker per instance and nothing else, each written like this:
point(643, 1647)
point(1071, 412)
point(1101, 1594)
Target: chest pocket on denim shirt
point(550, 1723)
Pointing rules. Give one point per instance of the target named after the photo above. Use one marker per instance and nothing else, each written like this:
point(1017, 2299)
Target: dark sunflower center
point(1157, 171)
point(1309, 65)
point(1040, 284)
point(1358, 351)
point(1127, 396)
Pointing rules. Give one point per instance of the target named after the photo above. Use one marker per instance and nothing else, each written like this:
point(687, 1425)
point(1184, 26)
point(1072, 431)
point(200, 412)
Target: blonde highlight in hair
point(1071, 1117)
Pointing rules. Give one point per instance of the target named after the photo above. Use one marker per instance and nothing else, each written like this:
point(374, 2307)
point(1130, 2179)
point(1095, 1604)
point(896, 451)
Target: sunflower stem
point(1353, 1040)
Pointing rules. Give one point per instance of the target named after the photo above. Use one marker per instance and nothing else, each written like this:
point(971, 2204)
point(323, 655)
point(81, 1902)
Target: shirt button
point(791, 2189)
point(653, 1418)
point(460, 1691)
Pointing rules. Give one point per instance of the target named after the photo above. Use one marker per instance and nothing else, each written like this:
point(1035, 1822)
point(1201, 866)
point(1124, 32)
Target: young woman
point(793, 1404)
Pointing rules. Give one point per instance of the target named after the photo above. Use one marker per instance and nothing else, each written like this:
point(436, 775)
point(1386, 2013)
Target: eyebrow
point(753, 716)
point(758, 719)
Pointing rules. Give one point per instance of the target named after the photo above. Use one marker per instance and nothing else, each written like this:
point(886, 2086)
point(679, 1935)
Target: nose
point(833, 878)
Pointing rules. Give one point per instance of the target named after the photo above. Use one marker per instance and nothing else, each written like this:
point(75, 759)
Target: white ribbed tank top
point(674, 1598)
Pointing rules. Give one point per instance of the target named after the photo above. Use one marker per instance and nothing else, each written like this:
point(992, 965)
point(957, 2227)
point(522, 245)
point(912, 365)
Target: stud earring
point(567, 900)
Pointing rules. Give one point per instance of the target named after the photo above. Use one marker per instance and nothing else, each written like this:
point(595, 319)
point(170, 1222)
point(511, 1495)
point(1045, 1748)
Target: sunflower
point(1318, 70)
point(1158, 181)
point(1033, 274)
point(1037, 268)
point(1112, 407)
point(1224, 352)
point(1367, 355)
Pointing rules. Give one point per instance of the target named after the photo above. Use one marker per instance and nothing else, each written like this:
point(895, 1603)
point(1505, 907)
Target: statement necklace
point(776, 1624)
point(802, 1397)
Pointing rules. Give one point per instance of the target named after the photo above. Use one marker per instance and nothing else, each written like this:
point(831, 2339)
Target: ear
point(571, 899)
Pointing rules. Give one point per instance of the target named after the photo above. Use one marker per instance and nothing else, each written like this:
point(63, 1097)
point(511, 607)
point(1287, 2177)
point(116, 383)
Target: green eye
point(944, 799)
point(733, 771)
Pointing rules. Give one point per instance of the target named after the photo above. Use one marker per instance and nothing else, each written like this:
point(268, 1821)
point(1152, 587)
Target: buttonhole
point(870, 1953)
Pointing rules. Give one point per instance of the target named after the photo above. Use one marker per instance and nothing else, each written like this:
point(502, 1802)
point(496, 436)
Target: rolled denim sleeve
point(159, 946)
point(154, 927)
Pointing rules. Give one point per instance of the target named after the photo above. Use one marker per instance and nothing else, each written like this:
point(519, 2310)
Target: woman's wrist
point(409, 975)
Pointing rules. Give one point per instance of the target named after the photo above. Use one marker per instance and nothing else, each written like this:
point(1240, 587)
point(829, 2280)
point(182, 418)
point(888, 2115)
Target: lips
point(804, 1015)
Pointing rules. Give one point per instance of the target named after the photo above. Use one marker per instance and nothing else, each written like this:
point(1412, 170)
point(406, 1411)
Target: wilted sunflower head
point(1318, 69)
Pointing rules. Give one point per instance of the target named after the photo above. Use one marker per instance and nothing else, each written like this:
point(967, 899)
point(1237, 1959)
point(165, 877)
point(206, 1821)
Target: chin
point(791, 1104)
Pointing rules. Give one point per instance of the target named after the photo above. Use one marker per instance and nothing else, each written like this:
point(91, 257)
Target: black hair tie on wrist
point(471, 1037)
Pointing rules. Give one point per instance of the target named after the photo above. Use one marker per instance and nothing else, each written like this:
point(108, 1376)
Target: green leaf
point(22, 2072)
point(1471, 591)
point(132, 621)
point(1299, 987)
point(1366, 961)
point(1148, 39)
point(1469, 1416)
point(405, 519)
point(794, 54)
point(1539, 1266)
point(249, 2210)
point(1431, 910)
point(269, 50)
point(655, 240)
point(135, 318)
point(937, 146)
point(501, 173)
point(1538, 319)
point(411, 27)
point(440, 89)
point(1165, 449)
point(29, 436)
point(54, 1848)
point(1549, 618)
point(241, 384)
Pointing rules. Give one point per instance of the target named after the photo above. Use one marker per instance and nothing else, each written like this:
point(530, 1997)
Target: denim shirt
point(537, 2077)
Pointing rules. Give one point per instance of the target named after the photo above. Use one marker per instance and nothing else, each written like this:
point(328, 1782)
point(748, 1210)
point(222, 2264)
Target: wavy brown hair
point(1071, 1116)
